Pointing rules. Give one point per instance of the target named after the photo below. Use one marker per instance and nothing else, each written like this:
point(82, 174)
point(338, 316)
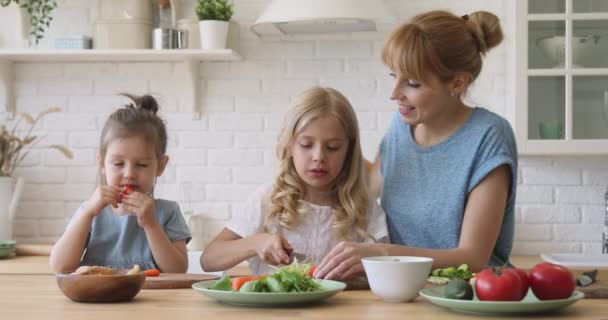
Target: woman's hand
point(272, 248)
point(343, 262)
point(142, 206)
point(103, 196)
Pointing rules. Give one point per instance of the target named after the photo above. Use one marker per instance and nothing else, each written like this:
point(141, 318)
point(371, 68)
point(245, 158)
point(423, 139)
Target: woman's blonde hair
point(348, 190)
point(443, 44)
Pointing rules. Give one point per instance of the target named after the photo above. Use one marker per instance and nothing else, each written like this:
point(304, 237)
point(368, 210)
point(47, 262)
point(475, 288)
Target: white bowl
point(554, 48)
point(397, 278)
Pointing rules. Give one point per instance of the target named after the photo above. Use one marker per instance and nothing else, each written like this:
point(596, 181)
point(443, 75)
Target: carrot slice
point(312, 270)
point(238, 282)
point(152, 273)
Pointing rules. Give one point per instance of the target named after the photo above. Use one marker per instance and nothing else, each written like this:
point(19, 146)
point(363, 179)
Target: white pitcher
point(9, 200)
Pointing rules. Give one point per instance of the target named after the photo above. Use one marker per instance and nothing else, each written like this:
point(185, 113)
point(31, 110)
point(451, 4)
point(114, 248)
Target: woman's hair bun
point(487, 29)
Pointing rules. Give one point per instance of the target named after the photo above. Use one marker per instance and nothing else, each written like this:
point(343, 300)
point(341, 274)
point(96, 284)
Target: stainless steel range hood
point(285, 17)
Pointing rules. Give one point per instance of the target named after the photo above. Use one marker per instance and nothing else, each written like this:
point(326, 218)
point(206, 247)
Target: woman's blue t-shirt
point(425, 189)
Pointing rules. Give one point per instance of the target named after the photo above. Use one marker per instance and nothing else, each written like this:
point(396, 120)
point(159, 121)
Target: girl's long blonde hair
point(348, 190)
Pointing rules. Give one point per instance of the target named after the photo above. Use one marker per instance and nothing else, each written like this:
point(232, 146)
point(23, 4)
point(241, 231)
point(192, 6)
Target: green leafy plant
point(13, 149)
point(214, 10)
point(40, 14)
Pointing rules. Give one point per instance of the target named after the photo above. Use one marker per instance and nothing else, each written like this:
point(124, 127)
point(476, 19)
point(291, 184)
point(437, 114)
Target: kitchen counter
point(38, 297)
point(28, 290)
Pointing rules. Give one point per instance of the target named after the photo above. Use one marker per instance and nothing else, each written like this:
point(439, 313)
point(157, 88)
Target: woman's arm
point(229, 249)
point(482, 220)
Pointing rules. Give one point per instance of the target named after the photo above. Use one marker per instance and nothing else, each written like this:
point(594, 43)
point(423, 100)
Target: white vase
point(14, 27)
point(213, 34)
point(10, 192)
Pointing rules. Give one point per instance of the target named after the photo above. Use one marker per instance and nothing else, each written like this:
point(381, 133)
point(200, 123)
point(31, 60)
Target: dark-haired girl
point(122, 224)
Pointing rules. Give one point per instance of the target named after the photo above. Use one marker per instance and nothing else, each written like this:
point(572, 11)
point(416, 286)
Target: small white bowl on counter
point(397, 278)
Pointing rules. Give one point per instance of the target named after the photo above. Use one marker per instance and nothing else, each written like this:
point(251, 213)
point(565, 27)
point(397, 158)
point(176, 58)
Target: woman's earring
point(452, 93)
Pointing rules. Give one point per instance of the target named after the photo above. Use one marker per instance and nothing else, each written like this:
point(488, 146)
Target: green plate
point(529, 305)
point(270, 299)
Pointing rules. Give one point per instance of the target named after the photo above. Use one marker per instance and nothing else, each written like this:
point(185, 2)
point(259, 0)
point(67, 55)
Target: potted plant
point(214, 16)
point(39, 12)
point(14, 147)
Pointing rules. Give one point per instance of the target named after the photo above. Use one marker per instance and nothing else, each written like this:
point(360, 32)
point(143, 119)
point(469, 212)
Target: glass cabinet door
point(546, 6)
point(589, 6)
point(590, 107)
point(590, 43)
point(565, 71)
point(546, 107)
point(546, 44)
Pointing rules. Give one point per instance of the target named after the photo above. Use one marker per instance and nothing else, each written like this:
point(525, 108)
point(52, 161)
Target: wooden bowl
point(118, 287)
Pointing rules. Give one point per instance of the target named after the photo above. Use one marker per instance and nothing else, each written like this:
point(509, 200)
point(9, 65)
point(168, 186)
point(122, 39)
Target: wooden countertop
point(28, 290)
point(38, 297)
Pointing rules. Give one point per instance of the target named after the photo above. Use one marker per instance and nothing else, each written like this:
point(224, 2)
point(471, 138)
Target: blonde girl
point(318, 197)
point(122, 224)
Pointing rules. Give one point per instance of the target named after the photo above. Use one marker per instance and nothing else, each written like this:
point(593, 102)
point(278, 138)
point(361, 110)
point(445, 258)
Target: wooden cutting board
point(176, 280)
point(597, 290)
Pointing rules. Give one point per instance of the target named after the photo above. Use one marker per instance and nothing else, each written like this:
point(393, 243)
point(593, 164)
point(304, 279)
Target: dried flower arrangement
point(14, 149)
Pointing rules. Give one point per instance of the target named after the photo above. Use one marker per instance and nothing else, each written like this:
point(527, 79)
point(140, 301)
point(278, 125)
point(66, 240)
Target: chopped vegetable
point(312, 271)
point(152, 273)
point(292, 278)
point(586, 278)
point(459, 289)
point(296, 278)
point(238, 282)
point(438, 280)
point(442, 276)
point(224, 284)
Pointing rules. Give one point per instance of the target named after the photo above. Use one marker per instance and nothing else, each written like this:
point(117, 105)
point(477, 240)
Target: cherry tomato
point(128, 189)
point(551, 281)
point(498, 284)
point(125, 191)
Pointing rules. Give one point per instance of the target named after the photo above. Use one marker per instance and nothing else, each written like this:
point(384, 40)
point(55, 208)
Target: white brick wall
point(217, 161)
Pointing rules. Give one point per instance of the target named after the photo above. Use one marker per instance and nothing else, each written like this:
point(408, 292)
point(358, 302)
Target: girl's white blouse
point(313, 237)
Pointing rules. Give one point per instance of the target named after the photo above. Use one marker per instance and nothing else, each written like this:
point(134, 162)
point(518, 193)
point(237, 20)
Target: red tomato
point(128, 189)
point(551, 281)
point(525, 282)
point(498, 284)
point(125, 191)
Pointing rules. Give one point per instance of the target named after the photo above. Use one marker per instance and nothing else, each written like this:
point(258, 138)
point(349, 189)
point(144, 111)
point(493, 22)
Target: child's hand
point(142, 206)
point(272, 248)
point(102, 197)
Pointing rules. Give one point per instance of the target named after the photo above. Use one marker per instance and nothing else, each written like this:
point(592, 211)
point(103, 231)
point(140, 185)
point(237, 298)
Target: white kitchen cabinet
point(561, 76)
point(191, 58)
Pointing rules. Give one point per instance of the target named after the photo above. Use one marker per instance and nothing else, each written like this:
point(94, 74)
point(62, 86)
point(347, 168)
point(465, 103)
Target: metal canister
point(180, 39)
point(162, 38)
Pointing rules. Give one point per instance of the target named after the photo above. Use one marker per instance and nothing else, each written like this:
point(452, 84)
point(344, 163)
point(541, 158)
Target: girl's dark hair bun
point(145, 102)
